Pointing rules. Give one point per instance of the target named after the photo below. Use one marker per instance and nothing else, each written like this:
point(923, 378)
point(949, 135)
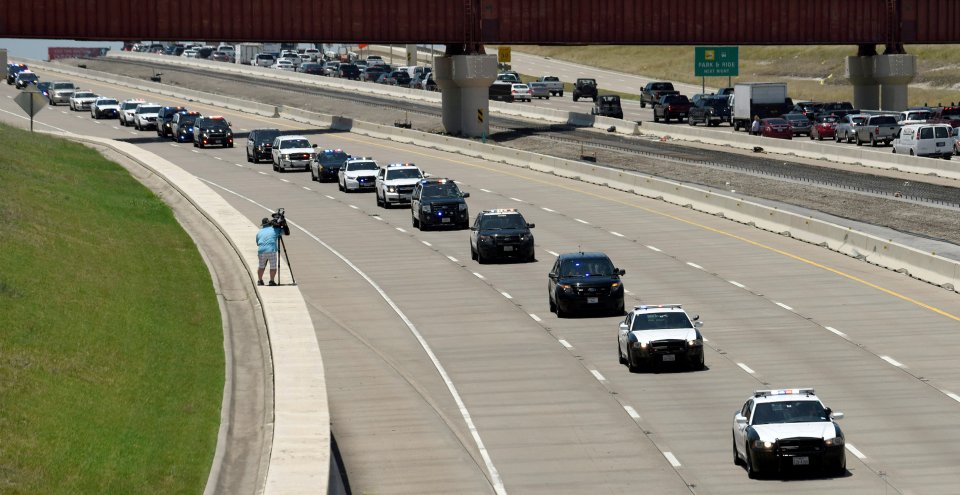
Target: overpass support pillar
point(464, 81)
point(866, 88)
point(894, 72)
point(411, 55)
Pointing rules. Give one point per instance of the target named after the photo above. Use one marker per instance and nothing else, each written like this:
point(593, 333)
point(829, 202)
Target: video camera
point(278, 220)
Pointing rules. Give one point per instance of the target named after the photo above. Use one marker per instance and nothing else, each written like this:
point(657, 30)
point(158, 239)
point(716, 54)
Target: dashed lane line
point(548, 210)
point(698, 267)
point(504, 294)
point(582, 221)
point(855, 451)
point(618, 234)
point(425, 243)
point(838, 332)
point(892, 361)
point(596, 374)
point(672, 459)
point(632, 412)
point(535, 317)
point(746, 368)
point(654, 249)
point(400, 229)
point(784, 306)
point(552, 252)
point(481, 277)
point(565, 344)
point(451, 258)
point(737, 284)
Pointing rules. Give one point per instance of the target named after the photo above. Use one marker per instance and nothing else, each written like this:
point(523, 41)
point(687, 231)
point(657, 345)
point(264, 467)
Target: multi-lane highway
point(552, 407)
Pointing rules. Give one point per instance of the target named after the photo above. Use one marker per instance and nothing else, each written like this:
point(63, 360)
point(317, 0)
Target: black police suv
point(439, 203)
point(212, 130)
point(260, 144)
point(165, 120)
point(327, 164)
point(500, 234)
point(581, 282)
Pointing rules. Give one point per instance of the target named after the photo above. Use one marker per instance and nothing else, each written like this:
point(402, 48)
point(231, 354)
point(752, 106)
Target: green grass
point(111, 346)
point(803, 68)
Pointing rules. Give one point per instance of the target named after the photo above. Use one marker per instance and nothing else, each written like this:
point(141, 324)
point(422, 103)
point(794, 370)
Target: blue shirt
point(267, 239)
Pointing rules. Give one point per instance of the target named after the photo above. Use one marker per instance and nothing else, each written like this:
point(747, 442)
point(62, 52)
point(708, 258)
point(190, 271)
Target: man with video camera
point(267, 239)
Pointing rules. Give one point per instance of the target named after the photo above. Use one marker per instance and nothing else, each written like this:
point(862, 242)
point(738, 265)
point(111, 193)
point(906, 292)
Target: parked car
point(930, 140)
point(877, 129)
point(824, 128)
point(776, 128)
point(799, 123)
point(847, 127)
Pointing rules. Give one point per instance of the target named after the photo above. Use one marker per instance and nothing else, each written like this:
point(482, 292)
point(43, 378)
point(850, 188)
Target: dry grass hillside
point(812, 72)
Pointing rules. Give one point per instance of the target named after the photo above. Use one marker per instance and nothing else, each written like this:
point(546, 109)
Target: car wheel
point(859, 142)
point(575, 97)
point(632, 366)
point(473, 254)
point(850, 139)
point(620, 357)
point(643, 105)
point(691, 122)
point(339, 186)
point(480, 258)
point(655, 118)
point(873, 141)
point(911, 152)
point(894, 150)
point(736, 457)
point(249, 158)
point(379, 201)
point(553, 305)
point(195, 144)
point(751, 472)
point(415, 222)
point(699, 365)
point(313, 176)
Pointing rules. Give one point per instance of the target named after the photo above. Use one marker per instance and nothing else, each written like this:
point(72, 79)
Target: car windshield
point(62, 85)
point(918, 115)
point(28, 77)
point(660, 321)
point(294, 143)
point(266, 136)
point(218, 126)
point(441, 190)
point(335, 158)
point(403, 173)
point(497, 222)
point(187, 121)
point(795, 411)
point(588, 267)
point(107, 102)
point(127, 105)
point(717, 102)
point(84, 94)
point(353, 167)
point(147, 109)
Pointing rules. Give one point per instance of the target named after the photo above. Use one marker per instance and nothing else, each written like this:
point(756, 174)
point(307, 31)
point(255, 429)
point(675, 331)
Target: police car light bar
point(785, 391)
point(651, 306)
point(501, 210)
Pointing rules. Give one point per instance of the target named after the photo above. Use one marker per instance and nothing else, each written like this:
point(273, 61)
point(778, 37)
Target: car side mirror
point(531, 225)
point(314, 146)
point(740, 419)
point(621, 271)
point(464, 195)
point(552, 276)
point(473, 229)
point(836, 415)
point(697, 324)
point(623, 325)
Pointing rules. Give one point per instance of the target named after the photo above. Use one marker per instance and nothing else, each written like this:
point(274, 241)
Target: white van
point(931, 140)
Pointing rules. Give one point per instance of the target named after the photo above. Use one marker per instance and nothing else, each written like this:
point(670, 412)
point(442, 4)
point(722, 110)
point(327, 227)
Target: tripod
point(285, 255)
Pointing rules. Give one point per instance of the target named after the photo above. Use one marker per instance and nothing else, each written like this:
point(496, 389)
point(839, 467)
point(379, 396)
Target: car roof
point(583, 255)
point(658, 308)
point(291, 136)
point(501, 211)
point(784, 395)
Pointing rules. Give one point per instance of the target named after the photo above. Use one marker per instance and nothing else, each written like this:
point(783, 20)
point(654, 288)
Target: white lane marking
point(654, 249)
point(425, 243)
point(698, 267)
point(838, 332)
point(672, 459)
point(175, 145)
point(632, 412)
point(706, 339)
point(195, 151)
point(401, 229)
point(97, 122)
point(8, 96)
point(351, 206)
point(746, 368)
point(853, 450)
point(508, 296)
point(284, 180)
point(485, 190)
point(481, 277)
point(553, 253)
point(134, 133)
point(451, 258)
point(375, 217)
point(307, 188)
point(238, 164)
point(535, 317)
point(218, 158)
point(892, 361)
point(565, 344)
point(327, 195)
point(117, 128)
point(264, 173)
point(598, 376)
point(737, 284)
point(518, 200)
point(952, 395)
point(582, 221)
point(618, 234)
point(784, 306)
point(548, 210)
point(63, 112)
point(625, 291)
point(495, 479)
point(79, 116)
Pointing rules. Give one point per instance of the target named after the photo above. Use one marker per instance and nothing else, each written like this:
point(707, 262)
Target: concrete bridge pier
point(895, 71)
point(464, 82)
point(866, 88)
point(411, 55)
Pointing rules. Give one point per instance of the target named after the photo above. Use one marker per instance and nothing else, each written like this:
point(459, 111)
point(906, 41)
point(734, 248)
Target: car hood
point(593, 281)
point(775, 431)
point(288, 151)
point(109, 107)
point(85, 98)
point(664, 334)
point(148, 114)
point(401, 182)
point(361, 173)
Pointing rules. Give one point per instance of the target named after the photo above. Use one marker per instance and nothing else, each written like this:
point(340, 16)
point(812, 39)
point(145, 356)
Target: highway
point(555, 411)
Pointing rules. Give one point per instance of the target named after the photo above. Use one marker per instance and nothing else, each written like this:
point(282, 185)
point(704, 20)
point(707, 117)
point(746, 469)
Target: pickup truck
point(672, 106)
point(711, 110)
point(876, 129)
point(653, 91)
point(554, 85)
point(585, 88)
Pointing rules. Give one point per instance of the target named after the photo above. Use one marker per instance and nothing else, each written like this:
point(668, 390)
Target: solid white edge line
point(784, 306)
point(481, 277)
point(745, 368)
point(598, 376)
point(451, 258)
point(495, 479)
point(672, 459)
point(582, 221)
point(508, 296)
point(618, 234)
point(632, 412)
point(565, 344)
point(653, 249)
point(892, 361)
point(838, 332)
point(737, 284)
point(535, 317)
point(485, 190)
point(698, 267)
point(853, 450)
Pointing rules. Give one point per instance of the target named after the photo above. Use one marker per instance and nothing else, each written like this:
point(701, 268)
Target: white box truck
point(758, 99)
point(246, 53)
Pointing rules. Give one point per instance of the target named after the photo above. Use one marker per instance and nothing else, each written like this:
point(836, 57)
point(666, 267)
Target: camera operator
point(267, 239)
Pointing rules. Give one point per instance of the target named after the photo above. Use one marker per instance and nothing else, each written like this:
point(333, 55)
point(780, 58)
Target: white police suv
point(777, 430)
point(652, 335)
point(358, 174)
point(290, 152)
point(395, 183)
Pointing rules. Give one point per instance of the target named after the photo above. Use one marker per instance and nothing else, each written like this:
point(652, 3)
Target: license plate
point(593, 300)
point(508, 248)
point(444, 220)
point(669, 357)
point(941, 144)
point(801, 461)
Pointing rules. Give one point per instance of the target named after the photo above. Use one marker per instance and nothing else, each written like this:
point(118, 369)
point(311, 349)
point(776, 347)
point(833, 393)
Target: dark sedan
point(799, 123)
point(585, 282)
point(311, 68)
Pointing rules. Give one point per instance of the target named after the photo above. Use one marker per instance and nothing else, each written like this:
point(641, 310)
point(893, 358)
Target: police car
point(326, 166)
point(652, 335)
point(781, 429)
point(439, 203)
point(127, 109)
point(358, 174)
point(105, 107)
point(291, 152)
point(501, 233)
point(395, 183)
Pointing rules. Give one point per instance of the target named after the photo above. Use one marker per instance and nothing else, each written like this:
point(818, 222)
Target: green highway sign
point(709, 61)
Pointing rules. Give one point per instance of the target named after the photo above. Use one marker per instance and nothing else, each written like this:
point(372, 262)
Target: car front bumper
point(294, 164)
point(573, 302)
point(691, 355)
point(444, 219)
point(523, 250)
point(775, 460)
point(396, 198)
point(327, 173)
point(360, 183)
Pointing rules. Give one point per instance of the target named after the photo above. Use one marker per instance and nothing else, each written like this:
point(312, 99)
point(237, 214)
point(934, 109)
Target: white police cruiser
point(780, 429)
point(358, 174)
point(395, 183)
point(660, 334)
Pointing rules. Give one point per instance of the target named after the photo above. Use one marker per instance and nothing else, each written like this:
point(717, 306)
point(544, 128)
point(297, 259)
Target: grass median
point(111, 346)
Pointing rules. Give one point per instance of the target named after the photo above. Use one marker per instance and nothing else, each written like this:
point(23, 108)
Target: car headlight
point(639, 345)
point(760, 444)
point(391, 189)
point(485, 238)
point(833, 442)
point(615, 285)
point(567, 288)
point(462, 206)
point(694, 342)
point(425, 208)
